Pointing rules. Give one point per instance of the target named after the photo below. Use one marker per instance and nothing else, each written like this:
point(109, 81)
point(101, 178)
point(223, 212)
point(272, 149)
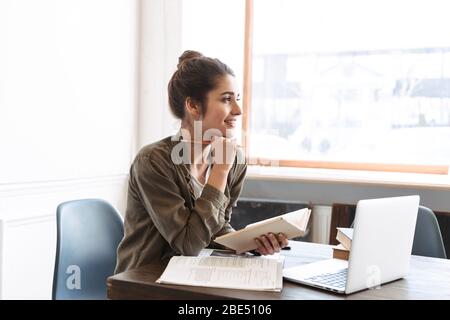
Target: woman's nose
point(237, 110)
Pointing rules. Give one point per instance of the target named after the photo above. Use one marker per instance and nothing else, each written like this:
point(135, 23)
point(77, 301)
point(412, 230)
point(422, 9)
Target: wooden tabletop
point(428, 278)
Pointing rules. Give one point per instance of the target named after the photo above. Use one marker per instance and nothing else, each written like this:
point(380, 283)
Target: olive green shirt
point(163, 217)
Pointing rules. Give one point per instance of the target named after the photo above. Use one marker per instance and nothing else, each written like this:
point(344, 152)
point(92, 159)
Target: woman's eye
point(227, 99)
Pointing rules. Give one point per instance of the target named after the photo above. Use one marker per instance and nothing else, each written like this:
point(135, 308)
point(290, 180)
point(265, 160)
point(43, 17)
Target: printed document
point(253, 273)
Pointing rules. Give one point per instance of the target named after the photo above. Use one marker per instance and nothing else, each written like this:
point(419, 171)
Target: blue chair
point(88, 233)
point(427, 237)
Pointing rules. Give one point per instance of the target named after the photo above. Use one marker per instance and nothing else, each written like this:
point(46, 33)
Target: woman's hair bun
point(188, 55)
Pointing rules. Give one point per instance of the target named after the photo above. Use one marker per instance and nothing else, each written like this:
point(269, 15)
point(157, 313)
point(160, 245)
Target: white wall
point(67, 74)
point(67, 123)
point(159, 51)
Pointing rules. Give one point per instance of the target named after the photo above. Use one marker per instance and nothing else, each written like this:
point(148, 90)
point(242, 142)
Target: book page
point(348, 232)
point(224, 272)
point(264, 221)
point(299, 218)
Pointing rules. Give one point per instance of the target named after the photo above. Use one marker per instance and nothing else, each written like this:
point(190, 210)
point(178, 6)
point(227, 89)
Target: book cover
point(292, 224)
point(345, 236)
point(340, 252)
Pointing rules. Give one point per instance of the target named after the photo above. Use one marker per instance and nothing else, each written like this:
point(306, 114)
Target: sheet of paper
point(225, 272)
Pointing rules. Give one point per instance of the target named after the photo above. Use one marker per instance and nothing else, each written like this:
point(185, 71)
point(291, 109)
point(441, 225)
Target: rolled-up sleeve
point(186, 230)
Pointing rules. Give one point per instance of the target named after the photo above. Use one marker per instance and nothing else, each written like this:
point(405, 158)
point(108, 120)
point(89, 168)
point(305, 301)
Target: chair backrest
point(88, 233)
point(428, 238)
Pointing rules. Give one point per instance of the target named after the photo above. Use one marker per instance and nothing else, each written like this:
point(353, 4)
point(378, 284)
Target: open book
point(292, 224)
point(256, 273)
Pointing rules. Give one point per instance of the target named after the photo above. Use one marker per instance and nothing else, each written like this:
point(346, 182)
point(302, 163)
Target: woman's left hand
point(270, 243)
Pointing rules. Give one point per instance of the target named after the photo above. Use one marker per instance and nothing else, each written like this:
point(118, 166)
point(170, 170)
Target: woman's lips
point(231, 123)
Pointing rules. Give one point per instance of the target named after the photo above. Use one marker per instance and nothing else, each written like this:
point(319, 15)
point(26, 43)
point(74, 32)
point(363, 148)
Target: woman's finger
point(274, 242)
point(283, 240)
point(267, 244)
point(261, 249)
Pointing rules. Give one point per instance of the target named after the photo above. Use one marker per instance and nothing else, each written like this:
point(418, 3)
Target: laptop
point(380, 251)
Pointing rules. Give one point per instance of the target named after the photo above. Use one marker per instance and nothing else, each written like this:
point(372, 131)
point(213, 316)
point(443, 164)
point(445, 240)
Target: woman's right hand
point(223, 153)
point(270, 243)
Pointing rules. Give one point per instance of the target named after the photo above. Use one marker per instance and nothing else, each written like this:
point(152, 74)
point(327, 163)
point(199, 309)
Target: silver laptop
point(380, 251)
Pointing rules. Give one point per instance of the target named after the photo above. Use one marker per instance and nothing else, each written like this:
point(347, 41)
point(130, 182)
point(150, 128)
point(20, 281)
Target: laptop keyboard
point(336, 279)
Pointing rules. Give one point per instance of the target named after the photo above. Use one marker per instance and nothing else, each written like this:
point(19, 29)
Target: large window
point(351, 82)
point(345, 84)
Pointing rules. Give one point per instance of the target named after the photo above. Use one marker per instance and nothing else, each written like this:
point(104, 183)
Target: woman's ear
point(192, 108)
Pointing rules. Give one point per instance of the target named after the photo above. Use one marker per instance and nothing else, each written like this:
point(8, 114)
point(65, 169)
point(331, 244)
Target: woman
point(182, 189)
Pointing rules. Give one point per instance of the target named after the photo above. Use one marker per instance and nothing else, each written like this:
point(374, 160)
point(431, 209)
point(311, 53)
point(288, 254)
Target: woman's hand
point(223, 152)
point(270, 243)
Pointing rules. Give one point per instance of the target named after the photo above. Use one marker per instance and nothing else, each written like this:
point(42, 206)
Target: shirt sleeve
point(235, 192)
point(187, 230)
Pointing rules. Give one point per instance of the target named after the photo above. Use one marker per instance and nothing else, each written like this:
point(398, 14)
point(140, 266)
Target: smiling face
point(222, 108)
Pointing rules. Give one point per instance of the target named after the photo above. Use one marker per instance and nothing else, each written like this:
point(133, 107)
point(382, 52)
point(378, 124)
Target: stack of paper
point(225, 272)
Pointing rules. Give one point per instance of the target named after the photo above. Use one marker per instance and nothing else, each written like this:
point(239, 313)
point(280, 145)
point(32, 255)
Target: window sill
point(389, 179)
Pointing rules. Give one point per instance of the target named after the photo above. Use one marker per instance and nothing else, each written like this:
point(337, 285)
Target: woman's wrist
point(218, 177)
point(223, 168)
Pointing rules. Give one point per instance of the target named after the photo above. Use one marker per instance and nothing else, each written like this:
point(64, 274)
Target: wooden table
point(428, 278)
